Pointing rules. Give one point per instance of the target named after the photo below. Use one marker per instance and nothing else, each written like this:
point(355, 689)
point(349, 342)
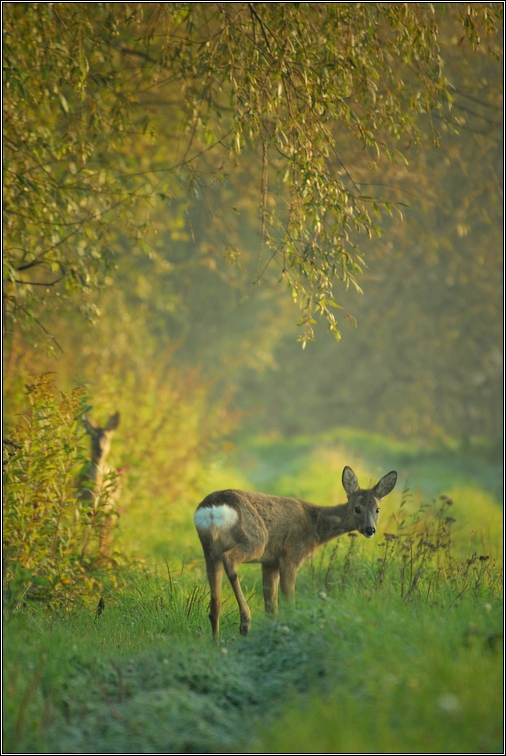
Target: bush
point(51, 538)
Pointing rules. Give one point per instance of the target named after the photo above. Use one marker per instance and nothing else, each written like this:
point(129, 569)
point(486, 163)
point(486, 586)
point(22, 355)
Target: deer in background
point(278, 532)
point(96, 481)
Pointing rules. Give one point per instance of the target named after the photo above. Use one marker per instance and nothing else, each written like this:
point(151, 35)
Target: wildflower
point(449, 702)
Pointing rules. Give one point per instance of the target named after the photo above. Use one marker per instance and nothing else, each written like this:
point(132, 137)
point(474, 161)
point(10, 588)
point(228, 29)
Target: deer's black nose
point(369, 532)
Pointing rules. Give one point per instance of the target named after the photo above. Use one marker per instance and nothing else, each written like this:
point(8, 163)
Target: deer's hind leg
point(214, 569)
point(237, 555)
point(270, 582)
point(288, 574)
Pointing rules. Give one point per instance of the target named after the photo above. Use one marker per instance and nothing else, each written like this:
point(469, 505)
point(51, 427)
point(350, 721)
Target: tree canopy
point(114, 112)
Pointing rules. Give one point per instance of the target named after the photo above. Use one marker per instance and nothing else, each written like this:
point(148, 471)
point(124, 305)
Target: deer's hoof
point(244, 628)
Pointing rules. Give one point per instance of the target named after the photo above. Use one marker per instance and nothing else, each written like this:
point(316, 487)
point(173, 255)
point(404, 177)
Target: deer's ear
point(385, 485)
point(113, 422)
point(89, 424)
point(350, 481)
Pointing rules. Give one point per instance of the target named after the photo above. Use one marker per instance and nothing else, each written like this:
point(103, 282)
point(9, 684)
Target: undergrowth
point(51, 537)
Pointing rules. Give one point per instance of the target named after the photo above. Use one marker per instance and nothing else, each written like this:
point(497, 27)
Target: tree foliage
point(426, 359)
point(110, 108)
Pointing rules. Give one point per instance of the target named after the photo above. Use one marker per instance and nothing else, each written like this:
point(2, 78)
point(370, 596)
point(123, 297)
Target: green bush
point(51, 538)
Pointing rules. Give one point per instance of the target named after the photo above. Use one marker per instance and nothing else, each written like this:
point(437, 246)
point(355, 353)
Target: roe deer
point(278, 532)
point(95, 481)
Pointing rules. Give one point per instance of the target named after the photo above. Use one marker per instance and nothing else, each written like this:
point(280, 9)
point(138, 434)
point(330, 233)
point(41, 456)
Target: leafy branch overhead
point(112, 109)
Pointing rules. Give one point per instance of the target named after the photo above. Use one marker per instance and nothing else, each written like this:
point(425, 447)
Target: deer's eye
point(358, 510)
point(377, 511)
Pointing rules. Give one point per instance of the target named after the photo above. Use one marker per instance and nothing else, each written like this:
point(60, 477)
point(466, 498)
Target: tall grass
point(312, 470)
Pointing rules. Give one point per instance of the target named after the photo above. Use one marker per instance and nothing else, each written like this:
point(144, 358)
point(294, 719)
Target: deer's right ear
point(350, 481)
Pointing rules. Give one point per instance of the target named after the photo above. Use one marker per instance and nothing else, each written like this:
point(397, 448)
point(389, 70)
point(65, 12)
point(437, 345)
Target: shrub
point(51, 538)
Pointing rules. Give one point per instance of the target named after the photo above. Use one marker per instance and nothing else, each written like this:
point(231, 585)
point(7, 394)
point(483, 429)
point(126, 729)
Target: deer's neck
point(97, 470)
point(332, 522)
point(99, 462)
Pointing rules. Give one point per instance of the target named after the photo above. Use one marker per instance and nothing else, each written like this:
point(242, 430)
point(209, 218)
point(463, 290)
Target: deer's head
point(364, 505)
point(101, 438)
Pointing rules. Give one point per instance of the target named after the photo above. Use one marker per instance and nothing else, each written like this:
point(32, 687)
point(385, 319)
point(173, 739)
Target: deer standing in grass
point(278, 532)
point(96, 480)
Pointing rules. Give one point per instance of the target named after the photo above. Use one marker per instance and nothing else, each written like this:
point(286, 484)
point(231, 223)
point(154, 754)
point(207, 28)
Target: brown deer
point(96, 483)
point(278, 532)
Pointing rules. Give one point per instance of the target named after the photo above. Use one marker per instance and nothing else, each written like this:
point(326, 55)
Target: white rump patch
point(221, 518)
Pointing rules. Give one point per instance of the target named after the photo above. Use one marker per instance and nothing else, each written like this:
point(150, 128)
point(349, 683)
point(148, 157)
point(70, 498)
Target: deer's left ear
point(385, 485)
point(113, 422)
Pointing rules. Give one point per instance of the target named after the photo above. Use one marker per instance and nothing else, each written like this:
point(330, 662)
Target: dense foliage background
point(171, 170)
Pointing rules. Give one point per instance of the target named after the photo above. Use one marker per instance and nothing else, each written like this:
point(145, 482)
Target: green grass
point(409, 681)
point(391, 647)
point(311, 468)
point(343, 672)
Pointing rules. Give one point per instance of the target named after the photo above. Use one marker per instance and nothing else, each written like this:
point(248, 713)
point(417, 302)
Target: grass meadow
point(394, 645)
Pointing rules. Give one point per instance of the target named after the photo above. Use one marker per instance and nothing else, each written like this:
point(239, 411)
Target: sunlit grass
point(432, 469)
point(313, 472)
